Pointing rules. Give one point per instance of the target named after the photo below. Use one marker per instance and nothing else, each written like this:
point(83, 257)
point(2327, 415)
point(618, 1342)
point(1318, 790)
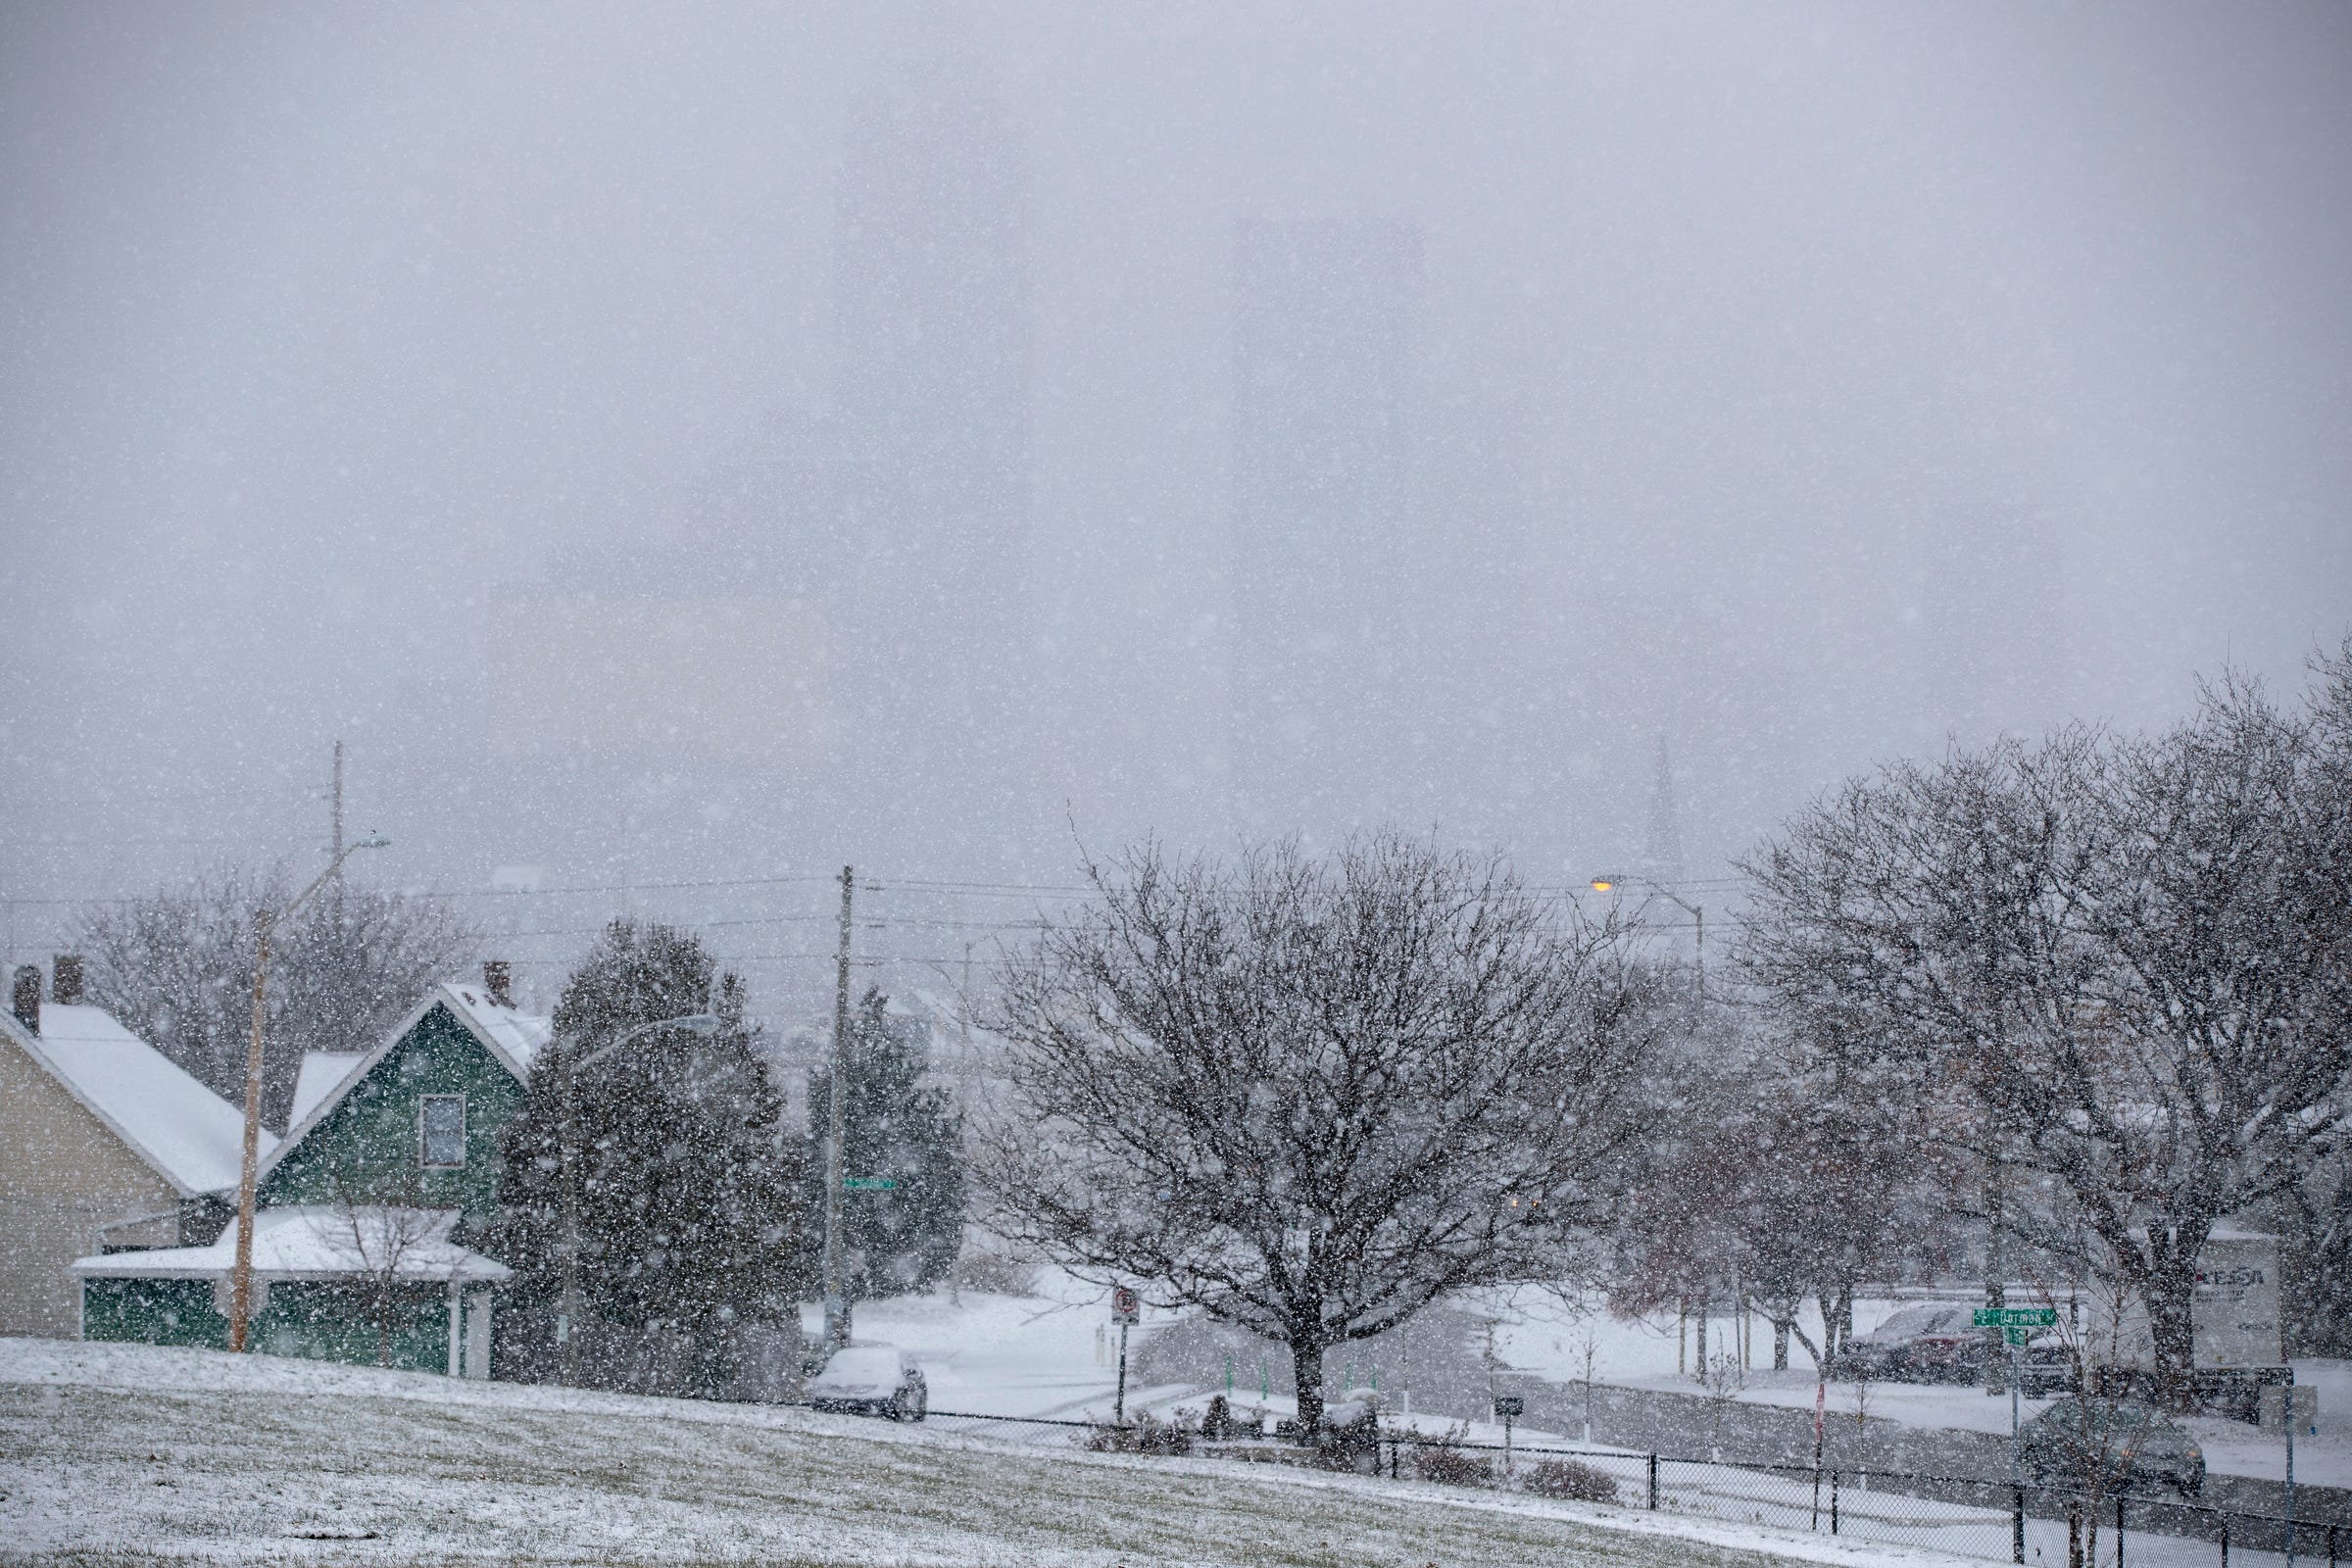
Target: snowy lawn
point(1540, 1335)
point(123, 1455)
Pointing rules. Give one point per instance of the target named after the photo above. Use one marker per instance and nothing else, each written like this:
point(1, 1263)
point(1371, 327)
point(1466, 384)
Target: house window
point(442, 1122)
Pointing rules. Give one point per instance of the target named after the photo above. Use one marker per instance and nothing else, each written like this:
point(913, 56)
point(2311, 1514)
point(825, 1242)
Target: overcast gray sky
point(1790, 384)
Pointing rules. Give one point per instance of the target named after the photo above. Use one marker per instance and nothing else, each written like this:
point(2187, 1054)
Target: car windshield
point(1909, 1321)
point(863, 1365)
point(2066, 1415)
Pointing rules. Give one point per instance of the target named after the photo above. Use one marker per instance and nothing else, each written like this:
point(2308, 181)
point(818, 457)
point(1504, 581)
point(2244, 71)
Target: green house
point(363, 1208)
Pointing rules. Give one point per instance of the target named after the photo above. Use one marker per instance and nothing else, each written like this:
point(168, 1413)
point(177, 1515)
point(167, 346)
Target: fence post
point(1832, 1503)
point(1653, 1483)
point(2224, 1541)
point(2119, 1530)
point(2017, 1523)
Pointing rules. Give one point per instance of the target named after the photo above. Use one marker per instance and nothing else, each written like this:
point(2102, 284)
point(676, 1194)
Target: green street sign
point(868, 1184)
point(2016, 1317)
point(2013, 1335)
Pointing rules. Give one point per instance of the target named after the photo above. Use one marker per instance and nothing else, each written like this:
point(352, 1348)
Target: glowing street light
point(1697, 914)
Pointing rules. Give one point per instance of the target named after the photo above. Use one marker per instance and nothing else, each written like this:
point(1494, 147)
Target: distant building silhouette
point(1327, 329)
point(1662, 844)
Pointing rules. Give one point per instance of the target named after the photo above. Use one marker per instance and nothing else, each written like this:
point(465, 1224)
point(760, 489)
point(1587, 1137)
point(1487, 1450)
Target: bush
point(1350, 1436)
point(1570, 1481)
point(1444, 1460)
point(996, 1273)
point(1145, 1434)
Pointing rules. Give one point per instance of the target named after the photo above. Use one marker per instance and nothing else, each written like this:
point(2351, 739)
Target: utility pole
point(837, 1305)
point(240, 1309)
point(335, 847)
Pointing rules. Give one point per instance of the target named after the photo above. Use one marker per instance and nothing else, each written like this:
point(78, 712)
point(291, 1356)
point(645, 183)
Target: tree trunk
point(1780, 1345)
point(1306, 1372)
point(2168, 1294)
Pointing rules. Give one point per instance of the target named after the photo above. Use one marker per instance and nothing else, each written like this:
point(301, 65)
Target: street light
point(241, 1303)
point(1697, 914)
point(705, 1023)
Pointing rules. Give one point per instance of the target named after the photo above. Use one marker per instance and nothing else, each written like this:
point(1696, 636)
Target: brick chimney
point(65, 980)
point(498, 978)
point(26, 1002)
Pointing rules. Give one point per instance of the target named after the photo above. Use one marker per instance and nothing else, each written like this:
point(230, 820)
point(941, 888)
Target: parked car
point(870, 1380)
point(2133, 1445)
point(2047, 1367)
point(1932, 1342)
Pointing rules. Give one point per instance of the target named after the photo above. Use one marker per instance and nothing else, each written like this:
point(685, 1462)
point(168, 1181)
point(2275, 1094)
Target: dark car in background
point(2046, 1367)
point(1934, 1342)
point(2124, 1444)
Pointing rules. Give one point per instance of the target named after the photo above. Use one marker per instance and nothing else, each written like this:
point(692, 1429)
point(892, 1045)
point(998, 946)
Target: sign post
point(1507, 1406)
point(1126, 1309)
point(2013, 1322)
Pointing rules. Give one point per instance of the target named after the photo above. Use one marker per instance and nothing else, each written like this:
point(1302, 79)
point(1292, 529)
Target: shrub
point(1145, 1434)
point(979, 1269)
point(1350, 1436)
point(1570, 1481)
point(1444, 1460)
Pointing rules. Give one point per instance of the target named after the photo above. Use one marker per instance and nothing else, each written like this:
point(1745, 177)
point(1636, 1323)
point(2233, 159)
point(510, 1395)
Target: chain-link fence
point(1967, 1516)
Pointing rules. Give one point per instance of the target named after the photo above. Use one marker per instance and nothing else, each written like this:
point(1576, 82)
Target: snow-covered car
point(2119, 1440)
point(870, 1380)
point(1932, 1342)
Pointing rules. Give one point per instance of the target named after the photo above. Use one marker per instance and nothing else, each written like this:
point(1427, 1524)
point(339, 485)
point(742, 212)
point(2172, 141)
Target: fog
point(681, 449)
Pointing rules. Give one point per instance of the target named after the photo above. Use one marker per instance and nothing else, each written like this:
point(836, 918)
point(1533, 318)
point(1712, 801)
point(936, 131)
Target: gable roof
point(323, 1072)
point(185, 1133)
point(510, 1036)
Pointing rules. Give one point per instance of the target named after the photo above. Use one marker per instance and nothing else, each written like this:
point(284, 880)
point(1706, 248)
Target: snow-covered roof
point(514, 1035)
point(317, 1242)
point(323, 1071)
point(188, 1135)
point(511, 1036)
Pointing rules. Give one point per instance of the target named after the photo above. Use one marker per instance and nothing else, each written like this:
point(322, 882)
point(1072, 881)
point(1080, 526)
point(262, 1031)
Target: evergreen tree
point(905, 1237)
point(686, 1195)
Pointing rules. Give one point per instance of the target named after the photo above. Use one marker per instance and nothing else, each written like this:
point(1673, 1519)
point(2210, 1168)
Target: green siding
point(332, 1323)
point(372, 1134)
point(153, 1312)
point(316, 1320)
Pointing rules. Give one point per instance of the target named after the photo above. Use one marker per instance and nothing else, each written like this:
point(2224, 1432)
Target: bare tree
point(384, 1229)
point(176, 969)
point(1311, 1095)
point(1787, 1174)
point(2122, 959)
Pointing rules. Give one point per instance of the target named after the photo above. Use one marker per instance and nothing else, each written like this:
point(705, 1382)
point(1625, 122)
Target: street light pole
point(1697, 912)
point(241, 1303)
point(567, 1318)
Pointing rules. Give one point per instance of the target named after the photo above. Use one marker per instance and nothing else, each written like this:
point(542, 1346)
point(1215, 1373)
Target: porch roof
point(319, 1242)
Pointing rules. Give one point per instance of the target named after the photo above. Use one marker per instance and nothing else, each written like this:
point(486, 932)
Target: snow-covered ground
point(128, 1454)
point(1539, 1334)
